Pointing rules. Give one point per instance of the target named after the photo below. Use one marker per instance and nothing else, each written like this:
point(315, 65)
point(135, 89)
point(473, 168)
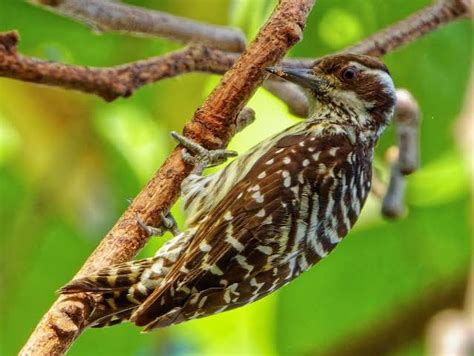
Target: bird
point(267, 216)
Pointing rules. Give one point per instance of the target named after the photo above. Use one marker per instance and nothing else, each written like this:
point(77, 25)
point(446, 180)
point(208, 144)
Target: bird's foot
point(168, 223)
point(195, 154)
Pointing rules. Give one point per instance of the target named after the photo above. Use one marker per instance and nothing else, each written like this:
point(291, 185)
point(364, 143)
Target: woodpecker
point(269, 215)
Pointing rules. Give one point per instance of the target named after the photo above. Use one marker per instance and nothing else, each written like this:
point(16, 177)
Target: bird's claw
point(168, 223)
point(195, 154)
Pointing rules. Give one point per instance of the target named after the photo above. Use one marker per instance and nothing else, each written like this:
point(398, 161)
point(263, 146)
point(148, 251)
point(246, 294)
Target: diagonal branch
point(109, 16)
point(424, 21)
point(212, 125)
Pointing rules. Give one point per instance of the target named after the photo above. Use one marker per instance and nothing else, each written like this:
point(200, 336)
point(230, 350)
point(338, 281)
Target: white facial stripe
point(383, 76)
point(385, 79)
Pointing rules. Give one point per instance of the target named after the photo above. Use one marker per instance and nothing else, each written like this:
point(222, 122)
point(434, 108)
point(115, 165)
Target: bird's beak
point(301, 76)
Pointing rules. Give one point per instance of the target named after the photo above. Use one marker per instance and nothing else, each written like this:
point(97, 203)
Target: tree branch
point(212, 125)
point(407, 124)
point(404, 158)
point(109, 16)
point(110, 83)
point(290, 94)
point(122, 81)
point(414, 27)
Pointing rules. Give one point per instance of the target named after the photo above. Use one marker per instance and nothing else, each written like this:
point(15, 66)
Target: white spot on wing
point(227, 296)
point(258, 286)
point(142, 289)
point(204, 246)
point(202, 301)
point(228, 215)
point(322, 169)
point(333, 151)
point(254, 188)
point(268, 220)
point(157, 267)
point(267, 250)
point(145, 276)
point(214, 269)
point(295, 189)
point(243, 262)
point(258, 197)
point(184, 269)
point(232, 240)
point(301, 178)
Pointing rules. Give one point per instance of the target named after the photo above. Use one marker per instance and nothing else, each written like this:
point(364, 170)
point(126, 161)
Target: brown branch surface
point(212, 125)
point(112, 16)
point(109, 83)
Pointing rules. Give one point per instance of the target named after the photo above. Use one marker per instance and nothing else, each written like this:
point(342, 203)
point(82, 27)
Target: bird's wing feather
point(237, 223)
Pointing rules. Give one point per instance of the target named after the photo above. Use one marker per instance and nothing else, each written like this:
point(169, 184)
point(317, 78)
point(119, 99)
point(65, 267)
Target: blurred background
point(69, 161)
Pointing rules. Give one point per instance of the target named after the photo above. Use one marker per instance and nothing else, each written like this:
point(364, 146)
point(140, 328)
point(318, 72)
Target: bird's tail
point(118, 290)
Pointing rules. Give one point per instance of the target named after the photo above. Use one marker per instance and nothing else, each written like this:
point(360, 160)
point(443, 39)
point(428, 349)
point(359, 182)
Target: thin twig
point(290, 94)
point(403, 159)
point(393, 204)
point(212, 125)
point(106, 16)
point(413, 27)
point(407, 124)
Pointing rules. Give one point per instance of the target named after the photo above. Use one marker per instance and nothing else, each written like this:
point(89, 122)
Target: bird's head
point(358, 85)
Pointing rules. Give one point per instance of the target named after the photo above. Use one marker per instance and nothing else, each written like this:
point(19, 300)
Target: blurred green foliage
point(69, 161)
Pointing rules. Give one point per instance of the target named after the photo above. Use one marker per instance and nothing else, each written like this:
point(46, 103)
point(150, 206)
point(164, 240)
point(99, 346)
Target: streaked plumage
point(266, 217)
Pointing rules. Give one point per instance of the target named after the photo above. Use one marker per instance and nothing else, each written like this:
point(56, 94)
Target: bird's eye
point(349, 73)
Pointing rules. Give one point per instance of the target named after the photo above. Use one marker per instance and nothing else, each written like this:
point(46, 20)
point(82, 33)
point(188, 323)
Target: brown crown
point(332, 64)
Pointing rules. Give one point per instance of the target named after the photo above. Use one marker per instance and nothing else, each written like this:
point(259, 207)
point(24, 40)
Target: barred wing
point(291, 209)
